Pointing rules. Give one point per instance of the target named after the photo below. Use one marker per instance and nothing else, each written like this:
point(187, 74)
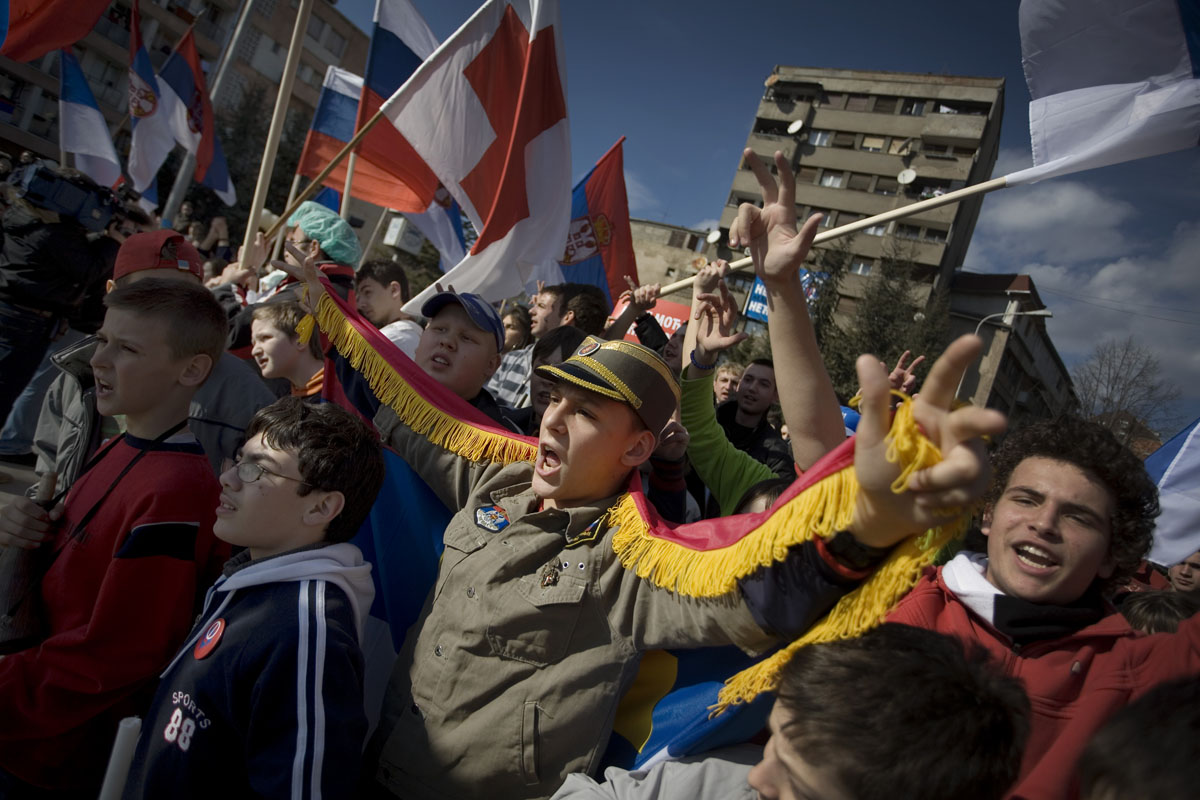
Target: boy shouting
point(127, 552)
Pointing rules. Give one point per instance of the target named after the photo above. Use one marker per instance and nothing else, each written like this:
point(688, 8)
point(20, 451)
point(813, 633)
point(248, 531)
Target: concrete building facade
point(863, 142)
point(1020, 372)
point(29, 92)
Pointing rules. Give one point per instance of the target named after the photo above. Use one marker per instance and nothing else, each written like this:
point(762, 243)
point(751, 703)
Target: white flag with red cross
point(487, 113)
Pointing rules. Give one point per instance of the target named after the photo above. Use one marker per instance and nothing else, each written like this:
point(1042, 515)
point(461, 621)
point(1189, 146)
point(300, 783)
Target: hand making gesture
point(714, 332)
point(939, 493)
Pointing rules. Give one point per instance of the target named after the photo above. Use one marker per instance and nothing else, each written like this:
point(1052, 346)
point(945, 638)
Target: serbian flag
point(31, 28)
point(185, 98)
point(400, 41)
point(442, 225)
point(600, 244)
point(81, 127)
point(1175, 467)
point(153, 138)
point(1110, 81)
point(487, 112)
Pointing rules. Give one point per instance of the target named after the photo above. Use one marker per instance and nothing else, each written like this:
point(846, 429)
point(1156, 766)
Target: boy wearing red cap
point(124, 557)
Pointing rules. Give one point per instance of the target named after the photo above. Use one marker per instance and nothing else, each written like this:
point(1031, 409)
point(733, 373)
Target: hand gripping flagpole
point(887, 216)
point(276, 129)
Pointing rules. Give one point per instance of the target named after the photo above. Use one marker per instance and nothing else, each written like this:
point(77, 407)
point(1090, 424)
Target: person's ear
point(395, 290)
point(196, 369)
point(493, 364)
point(568, 318)
point(639, 449)
point(314, 248)
point(985, 526)
point(109, 285)
point(323, 509)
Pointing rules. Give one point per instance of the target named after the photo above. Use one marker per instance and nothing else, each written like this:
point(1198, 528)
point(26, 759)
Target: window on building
point(969, 152)
point(876, 230)
point(857, 102)
point(846, 217)
point(961, 107)
point(770, 127)
point(873, 144)
point(835, 100)
point(902, 147)
point(334, 42)
point(806, 175)
point(826, 221)
point(859, 182)
point(820, 138)
point(843, 140)
point(831, 179)
point(860, 266)
point(315, 26)
point(886, 105)
point(888, 186)
point(677, 239)
point(913, 108)
point(905, 231)
point(936, 235)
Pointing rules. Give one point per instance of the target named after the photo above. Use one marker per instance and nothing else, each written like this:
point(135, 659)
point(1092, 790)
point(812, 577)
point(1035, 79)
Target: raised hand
point(673, 441)
point(709, 277)
point(307, 273)
point(717, 315)
point(937, 494)
point(902, 378)
point(777, 248)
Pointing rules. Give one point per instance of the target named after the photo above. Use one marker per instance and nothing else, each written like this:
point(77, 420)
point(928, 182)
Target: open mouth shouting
point(548, 461)
point(1035, 559)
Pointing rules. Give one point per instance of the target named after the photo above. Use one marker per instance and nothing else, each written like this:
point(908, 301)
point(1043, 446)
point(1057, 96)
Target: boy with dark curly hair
point(1070, 514)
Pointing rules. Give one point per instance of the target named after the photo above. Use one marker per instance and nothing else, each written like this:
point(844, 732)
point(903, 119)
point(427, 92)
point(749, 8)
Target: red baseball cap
point(144, 251)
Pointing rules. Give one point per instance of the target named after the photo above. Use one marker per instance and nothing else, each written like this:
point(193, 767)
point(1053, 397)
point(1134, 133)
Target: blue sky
point(1114, 251)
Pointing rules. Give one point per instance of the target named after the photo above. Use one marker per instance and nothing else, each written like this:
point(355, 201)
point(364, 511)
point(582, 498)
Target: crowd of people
point(194, 563)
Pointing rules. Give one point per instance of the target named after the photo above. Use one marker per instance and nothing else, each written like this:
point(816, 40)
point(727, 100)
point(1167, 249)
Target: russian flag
point(153, 139)
point(333, 126)
point(81, 127)
point(31, 28)
point(400, 41)
point(185, 97)
point(599, 247)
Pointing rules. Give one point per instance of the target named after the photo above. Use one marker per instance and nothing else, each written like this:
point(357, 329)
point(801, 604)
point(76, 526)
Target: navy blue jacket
point(265, 698)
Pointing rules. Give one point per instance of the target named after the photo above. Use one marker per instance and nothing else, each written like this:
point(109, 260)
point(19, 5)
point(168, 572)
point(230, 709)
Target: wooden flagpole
point(345, 205)
point(887, 216)
point(318, 181)
point(276, 129)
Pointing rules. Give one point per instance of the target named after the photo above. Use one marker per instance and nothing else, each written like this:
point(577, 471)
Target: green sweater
point(726, 471)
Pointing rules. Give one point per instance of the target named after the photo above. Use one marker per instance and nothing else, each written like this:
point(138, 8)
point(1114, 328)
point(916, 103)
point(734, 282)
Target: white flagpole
point(277, 119)
point(887, 216)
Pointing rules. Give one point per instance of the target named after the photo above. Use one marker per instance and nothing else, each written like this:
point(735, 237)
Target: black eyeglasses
point(249, 472)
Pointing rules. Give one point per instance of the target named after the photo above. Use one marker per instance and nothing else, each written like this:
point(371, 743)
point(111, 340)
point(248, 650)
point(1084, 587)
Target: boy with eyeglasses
point(265, 696)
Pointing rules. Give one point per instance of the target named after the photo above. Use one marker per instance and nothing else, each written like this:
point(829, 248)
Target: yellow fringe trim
point(415, 411)
point(305, 328)
point(868, 605)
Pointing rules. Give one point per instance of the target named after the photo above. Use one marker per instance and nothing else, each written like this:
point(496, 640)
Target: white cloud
point(1063, 222)
point(1154, 297)
point(641, 198)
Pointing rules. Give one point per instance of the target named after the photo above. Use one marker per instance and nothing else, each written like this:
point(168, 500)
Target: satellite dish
point(713, 237)
point(906, 177)
point(795, 127)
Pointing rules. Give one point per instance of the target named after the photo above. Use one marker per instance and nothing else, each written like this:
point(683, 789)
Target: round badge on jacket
point(208, 642)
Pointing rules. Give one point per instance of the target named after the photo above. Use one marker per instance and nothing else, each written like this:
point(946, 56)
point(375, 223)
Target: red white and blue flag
point(81, 127)
point(1175, 467)
point(400, 41)
point(185, 100)
point(487, 113)
point(31, 28)
point(153, 137)
point(599, 247)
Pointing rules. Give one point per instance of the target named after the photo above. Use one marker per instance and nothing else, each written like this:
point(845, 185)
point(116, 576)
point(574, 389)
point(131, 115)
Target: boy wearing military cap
point(511, 676)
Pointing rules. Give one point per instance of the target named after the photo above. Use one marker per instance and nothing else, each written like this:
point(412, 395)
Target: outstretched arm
point(810, 407)
point(641, 300)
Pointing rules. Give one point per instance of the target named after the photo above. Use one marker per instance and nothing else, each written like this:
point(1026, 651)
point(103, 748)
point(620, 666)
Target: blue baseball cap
point(479, 310)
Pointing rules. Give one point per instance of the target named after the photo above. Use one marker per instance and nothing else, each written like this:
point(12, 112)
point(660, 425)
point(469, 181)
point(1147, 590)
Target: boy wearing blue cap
point(460, 349)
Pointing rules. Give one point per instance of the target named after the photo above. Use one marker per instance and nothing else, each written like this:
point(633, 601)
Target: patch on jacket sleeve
point(170, 539)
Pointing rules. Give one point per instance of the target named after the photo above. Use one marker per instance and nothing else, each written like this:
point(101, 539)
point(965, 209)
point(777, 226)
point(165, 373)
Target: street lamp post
point(1041, 312)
